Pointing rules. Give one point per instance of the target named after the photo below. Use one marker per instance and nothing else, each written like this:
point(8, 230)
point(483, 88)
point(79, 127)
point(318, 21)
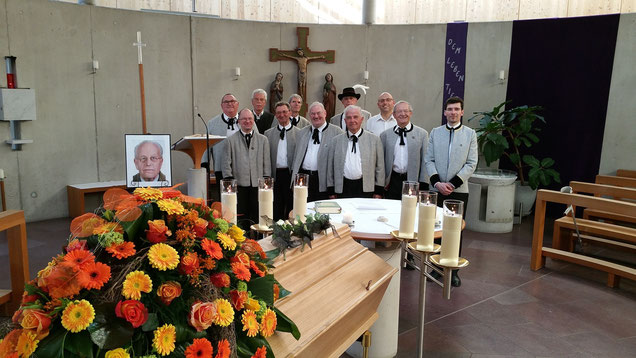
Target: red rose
point(157, 231)
point(220, 280)
point(132, 311)
point(201, 227)
point(189, 263)
point(238, 299)
point(202, 315)
point(169, 291)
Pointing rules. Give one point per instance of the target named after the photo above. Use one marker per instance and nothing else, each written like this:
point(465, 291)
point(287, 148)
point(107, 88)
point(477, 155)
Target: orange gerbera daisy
point(268, 323)
point(223, 349)
point(224, 312)
point(79, 258)
point(250, 323)
point(257, 268)
point(27, 343)
point(200, 348)
point(148, 194)
point(96, 274)
point(261, 352)
point(226, 241)
point(241, 272)
point(123, 250)
point(212, 248)
point(78, 315)
point(136, 282)
point(108, 227)
point(164, 339)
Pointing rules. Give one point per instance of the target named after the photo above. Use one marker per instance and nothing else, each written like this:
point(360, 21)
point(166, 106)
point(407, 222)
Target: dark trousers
point(247, 206)
point(353, 189)
point(313, 191)
point(394, 190)
point(455, 196)
point(283, 201)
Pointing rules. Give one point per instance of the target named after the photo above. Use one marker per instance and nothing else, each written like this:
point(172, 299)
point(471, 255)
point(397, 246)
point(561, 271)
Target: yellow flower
point(163, 257)
point(136, 282)
point(250, 324)
point(252, 304)
point(268, 323)
point(78, 315)
point(226, 241)
point(164, 339)
point(148, 193)
point(171, 206)
point(26, 343)
point(117, 353)
point(236, 233)
point(224, 312)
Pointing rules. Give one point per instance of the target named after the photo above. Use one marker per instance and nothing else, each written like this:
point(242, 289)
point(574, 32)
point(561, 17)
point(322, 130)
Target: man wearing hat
point(348, 97)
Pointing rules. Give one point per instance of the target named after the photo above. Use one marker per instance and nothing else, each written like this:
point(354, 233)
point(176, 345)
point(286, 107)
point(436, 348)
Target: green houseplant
point(509, 133)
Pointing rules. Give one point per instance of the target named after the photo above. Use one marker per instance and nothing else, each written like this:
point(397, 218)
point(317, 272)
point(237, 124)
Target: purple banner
point(455, 61)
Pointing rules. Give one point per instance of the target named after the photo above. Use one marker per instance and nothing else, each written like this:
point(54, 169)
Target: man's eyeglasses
point(152, 159)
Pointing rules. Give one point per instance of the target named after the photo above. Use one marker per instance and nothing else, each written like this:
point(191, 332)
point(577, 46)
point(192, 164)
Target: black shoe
point(436, 275)
point(455, 280)
point(410, 262)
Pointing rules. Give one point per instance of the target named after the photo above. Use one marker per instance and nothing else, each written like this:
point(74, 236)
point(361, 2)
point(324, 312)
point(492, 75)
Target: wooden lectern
point(336, 288)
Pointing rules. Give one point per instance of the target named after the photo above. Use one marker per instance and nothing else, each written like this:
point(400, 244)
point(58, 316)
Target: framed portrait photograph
point(148, 160)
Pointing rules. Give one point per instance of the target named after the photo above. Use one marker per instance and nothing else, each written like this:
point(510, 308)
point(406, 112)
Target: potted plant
point(510, 133)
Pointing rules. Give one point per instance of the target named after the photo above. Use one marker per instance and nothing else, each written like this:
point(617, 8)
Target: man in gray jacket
point(349, 97)
point(356, 160)
point(225, 124)
point(451, 158)
point(282, 148)
point(247, 159)
point(404, 151)
point(312, 151)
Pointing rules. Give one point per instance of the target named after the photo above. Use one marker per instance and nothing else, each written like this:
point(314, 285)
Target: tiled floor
point(502, 309)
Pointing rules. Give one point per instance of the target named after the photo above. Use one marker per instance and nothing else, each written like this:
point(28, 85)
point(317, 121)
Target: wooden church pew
point(626, 173)
point(613, 192)
point(616, 181)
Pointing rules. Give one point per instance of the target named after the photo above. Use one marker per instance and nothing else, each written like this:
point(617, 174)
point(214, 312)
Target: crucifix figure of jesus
point(302, 55)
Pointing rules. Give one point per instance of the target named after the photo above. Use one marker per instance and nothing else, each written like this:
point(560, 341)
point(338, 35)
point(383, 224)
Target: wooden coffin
point(336, 289)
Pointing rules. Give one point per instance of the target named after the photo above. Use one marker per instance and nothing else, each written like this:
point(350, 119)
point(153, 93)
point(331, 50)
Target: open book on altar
point(336, 288)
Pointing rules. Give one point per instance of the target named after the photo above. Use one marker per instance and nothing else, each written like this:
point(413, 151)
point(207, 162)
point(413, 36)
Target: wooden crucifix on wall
point(302, 55)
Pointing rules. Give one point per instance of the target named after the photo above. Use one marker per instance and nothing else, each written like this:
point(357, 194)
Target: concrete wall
point(189, 62)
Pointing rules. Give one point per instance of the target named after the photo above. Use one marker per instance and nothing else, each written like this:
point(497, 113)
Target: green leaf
point(107, 330)
point(543, 178)
point(247, 346)
point(526, 142)
point(532, 137)
point(263, 288)
point(547, 162)
point(531, 160)
point(132, 227)
point(514, 158)
point(53, 345)
point(80, 344)
point(533, 172)
point(151, 324)
point(285, 324)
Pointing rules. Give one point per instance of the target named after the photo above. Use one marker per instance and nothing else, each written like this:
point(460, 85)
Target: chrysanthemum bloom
point(79, 258)
point(136, 282)
point(200, 348)
point(212, 248)
point(238, 299)
point(78, 315)
point(163, 257)
point(236, 233)
point(157, 231)
point(27, 343)
point(168, 291)
point(107, 228)
point(95, 275)
point(148, 194)
point(208, 263)
point(223, 349)
point(261, 352)
point(220, 280)
point(227, 242)
point(250, 323)
point(164, 338)
point(189, 263)
point(123, 250)
point(171, 207)
point(268, 323)
point(117, 353)
point(241, 272)
point(224, 312)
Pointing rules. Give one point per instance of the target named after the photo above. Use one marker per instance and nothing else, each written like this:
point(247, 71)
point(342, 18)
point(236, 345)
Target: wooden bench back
point(616, 181)
point(615, 192)
point(626, 173)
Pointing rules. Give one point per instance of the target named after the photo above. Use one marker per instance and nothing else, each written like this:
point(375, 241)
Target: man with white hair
point(355, 166)
point(295, 104)
point(349, 97)
point(312, 151)
point(148, 160)
point(262, 118)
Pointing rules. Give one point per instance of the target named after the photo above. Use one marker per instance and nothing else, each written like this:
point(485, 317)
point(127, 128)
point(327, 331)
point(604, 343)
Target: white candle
point(265, 206)
point(451, 231)
point(407, 215)
point(426, 227)
point(228, 206)
point(347, 218)
point(300, 202)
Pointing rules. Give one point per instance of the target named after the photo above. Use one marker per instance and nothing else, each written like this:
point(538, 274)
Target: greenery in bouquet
point(288, 235)
point(155, 274)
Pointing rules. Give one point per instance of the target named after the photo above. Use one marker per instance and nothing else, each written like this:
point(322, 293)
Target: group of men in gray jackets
point(351, 155)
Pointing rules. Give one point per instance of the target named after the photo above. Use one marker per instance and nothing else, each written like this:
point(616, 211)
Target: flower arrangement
point(286, 235)
point(155, 274)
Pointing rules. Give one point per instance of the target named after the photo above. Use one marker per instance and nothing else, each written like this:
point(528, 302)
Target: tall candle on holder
point(265, 200)
point(451, 232)
point(409, 206)
point(426, 222)
point(301, 185)
point(228, 199)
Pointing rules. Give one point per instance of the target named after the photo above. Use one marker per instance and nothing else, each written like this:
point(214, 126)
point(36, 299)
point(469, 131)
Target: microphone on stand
point(207, 146)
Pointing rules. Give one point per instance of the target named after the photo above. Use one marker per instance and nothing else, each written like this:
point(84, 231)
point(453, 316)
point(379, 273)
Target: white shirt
point(236, 126)
point(377, 124)
point(311, 156)
point(401, 153)
point(281, 154)
point(257, 116)
point(353, 161)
